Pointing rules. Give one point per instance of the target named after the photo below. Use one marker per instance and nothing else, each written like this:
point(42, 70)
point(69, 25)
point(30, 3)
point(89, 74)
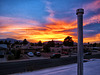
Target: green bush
point(10, 57)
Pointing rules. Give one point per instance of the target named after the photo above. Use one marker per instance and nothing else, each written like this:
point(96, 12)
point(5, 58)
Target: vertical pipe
point(79, 14)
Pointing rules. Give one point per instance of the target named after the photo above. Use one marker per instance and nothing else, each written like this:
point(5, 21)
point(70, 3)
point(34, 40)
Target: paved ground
point(44, 56)
point(35, 57)
point(33, 65)
point(90, 68)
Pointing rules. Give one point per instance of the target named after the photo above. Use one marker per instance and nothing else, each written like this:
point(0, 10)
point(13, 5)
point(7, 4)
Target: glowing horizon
point(53, 22)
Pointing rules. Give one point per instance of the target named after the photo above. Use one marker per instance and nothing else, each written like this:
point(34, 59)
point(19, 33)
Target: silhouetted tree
point(25, 41)
point(88, 43)
point(16, 42)
point(51, 43)
point(17, 54)
point(5, 42)
point(94, 44)
point(98, 45)
point(68, 41)
point(58, 45)
point(46, 48)
point(32, 44)
point(9, 42)
point(39, 43)
point(1, 42)
point(12, 45)
point(48, 45)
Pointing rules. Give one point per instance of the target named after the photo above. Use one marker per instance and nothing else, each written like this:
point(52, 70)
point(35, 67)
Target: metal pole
point(79, 13)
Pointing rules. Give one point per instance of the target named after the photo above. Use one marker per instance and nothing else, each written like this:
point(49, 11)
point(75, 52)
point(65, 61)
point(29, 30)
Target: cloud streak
point(95, 38)
point(93, 6)
point(93, 19)
point(54, 28)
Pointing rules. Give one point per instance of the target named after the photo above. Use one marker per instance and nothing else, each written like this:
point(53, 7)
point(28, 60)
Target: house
point(68, 48)
point(29, 48)
point(3, 47)
point(63, 48)
point(56, 49)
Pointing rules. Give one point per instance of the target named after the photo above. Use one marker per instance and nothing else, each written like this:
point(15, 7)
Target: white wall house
point(56, 49)
point(67, 48)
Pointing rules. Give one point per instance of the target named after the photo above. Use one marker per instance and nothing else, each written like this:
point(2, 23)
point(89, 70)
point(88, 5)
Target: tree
point(25, 41)
point(68, 41)
point(98, 45)
point(1, 42)
point(88, 43)
point(46, 48)
point(32, 44)
point(39, 43)
point(51, 43)
point(5, 42)
point(17, 54)
point(48, 45)
point(94, 44)
point(16, 42)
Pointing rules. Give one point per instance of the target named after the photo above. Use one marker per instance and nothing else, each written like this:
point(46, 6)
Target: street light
point(79, 13)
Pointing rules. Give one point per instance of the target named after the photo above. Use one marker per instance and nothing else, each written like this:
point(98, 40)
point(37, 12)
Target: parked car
point(30, 54)
point(55, 55)
point(37, 54)
point(88, 53)
point(86, 60)
point(66, 53)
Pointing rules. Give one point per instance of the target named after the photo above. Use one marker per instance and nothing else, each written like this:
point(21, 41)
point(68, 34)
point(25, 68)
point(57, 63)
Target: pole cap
point(80, 10)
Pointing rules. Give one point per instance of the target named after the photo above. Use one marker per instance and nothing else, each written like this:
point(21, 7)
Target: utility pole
point(79, 13)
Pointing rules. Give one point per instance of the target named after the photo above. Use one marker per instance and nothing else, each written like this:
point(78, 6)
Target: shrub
point(13, 51)
point(10, 57)
point(17, 54)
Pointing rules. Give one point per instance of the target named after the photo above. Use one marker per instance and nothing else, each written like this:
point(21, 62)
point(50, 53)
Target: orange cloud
point(50, 31)
point(55, 30)
point(95, 38)
point(33, 31)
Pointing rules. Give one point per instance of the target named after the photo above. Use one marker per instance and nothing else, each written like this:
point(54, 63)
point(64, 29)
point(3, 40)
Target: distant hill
point(10, 39)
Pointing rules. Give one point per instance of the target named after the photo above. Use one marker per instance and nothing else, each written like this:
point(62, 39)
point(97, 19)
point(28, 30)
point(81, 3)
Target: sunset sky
point(45, 20)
